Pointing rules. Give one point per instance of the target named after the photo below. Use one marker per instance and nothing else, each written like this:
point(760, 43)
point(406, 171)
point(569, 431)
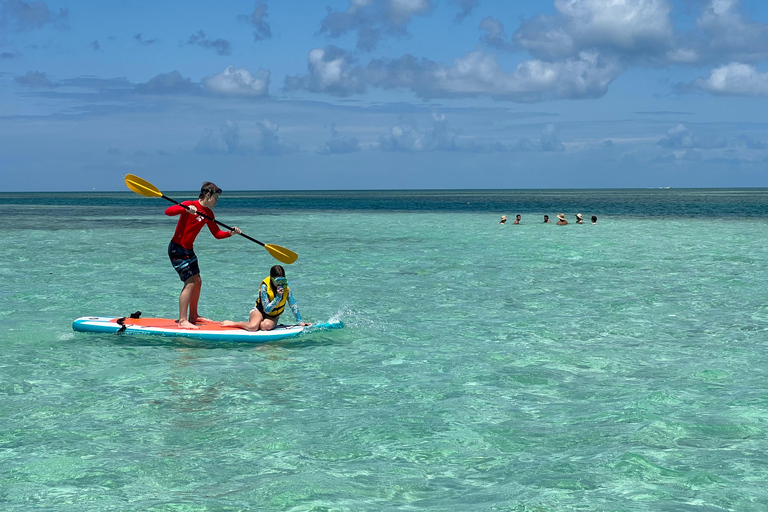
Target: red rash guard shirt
point(189, 226)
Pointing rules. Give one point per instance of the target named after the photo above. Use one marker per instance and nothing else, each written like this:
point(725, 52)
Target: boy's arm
point(217, 233)
point(175, 210)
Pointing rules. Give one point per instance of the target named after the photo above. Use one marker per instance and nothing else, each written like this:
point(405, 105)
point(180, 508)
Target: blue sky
point(370, 94)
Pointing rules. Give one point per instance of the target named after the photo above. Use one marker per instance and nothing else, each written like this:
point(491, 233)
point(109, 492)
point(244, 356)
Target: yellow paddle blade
point(281, 253)
point(141, 187)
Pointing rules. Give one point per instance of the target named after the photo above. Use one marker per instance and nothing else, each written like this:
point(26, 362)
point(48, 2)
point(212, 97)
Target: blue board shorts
point(183, 260)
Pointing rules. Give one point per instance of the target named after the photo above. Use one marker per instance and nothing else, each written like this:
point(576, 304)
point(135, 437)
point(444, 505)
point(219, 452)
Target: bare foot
point(185, 324)
point(227, 323)
point(201, 320)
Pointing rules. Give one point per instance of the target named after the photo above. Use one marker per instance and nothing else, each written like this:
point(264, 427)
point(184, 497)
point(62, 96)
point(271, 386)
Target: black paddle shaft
point(211, 218)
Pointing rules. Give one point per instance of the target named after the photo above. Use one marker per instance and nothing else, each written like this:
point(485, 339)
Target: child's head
point(208, 189)
point(277, 273)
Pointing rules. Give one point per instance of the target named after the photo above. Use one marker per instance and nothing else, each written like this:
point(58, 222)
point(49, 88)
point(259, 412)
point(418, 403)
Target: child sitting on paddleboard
point(181, 251)
point(274, 295)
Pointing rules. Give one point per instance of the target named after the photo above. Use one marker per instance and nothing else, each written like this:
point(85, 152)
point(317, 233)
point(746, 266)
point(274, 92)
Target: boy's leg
point(194, 299)
point(185, 300)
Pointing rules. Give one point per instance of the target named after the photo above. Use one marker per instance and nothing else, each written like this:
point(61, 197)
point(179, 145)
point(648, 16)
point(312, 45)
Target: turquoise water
point(614, 367)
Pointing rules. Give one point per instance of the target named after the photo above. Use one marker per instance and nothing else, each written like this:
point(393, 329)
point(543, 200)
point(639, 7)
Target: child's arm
point(268, 306)
point(294, 307)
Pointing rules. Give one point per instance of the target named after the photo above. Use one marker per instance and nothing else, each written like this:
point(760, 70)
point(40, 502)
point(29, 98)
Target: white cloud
point(495, 36)
point(550, 140)
point(408, 136)
point(226, 142)
point(681, 137)
point(238, 82)
point(330, 71)
point(478, 73)
point(373, 19)
point(631, 28)
point(729, 35)
point(734, 79)
point(338, 144)
point(270, 143)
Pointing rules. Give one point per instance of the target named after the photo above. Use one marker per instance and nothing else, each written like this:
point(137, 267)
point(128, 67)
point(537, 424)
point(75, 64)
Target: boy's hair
point(208, 189)
point(277, 271)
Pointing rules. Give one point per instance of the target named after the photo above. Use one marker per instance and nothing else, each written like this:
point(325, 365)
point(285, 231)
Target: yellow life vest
point(271, 295)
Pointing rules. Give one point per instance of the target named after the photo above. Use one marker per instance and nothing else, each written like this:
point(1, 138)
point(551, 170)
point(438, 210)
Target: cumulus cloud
point(749, 142)
point(230, 82)
point(734, 79)
point(479, 74)
point(495, 36)
point(257, 18)
point(226, 141)
point(35, 79)
point(238, 82)
point(209, 143)
point(222, 46)
point(168, 83)
point(271, 143)
point(550, 140)
point(330, 71)
point(726, 34)
point(681, 137)
point(24, 16)
point(409, 137)
point(374, 19)
point(338, 144)
point(474, 74)
point(634, 29)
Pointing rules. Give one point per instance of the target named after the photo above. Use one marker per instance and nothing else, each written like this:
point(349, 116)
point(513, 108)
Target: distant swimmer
point(594, 219)
point(546, 220)
point(579, 219)
point(517, 219)
point(503, 219)
point(561, 220)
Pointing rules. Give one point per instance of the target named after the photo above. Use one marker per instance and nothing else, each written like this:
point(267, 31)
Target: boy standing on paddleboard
point(181, 252)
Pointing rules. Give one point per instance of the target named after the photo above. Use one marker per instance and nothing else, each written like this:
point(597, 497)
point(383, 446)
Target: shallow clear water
point(614, 367)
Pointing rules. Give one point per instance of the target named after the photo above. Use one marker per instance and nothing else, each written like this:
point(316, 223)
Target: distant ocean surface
point(621, 366)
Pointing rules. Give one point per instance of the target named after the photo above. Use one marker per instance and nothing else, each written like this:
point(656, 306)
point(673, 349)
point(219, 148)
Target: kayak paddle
point(145, 188)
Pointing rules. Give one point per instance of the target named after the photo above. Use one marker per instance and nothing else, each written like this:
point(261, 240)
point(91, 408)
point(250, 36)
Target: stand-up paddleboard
point(212, 331)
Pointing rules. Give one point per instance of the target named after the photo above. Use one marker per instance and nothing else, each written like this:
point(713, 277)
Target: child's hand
point(191, 209)
point(305, 324)
point(279, 290)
